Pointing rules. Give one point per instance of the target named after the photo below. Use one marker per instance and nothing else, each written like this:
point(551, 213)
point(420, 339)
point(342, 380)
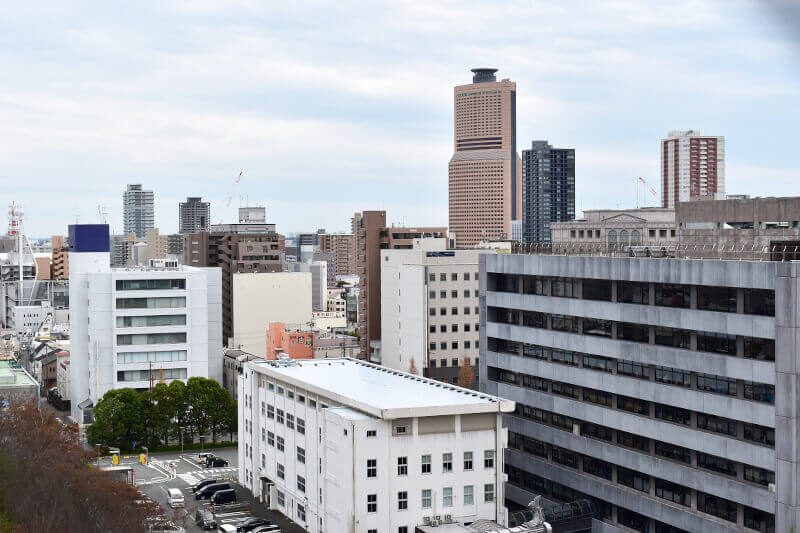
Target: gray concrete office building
point(548, 189)
point(138, 212)
point(194, 215)
point(665, 390)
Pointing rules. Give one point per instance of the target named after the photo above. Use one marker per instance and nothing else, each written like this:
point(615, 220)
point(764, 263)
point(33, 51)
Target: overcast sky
point(331, 108)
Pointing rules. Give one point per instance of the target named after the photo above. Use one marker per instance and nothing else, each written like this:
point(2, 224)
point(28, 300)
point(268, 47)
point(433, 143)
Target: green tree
point(232, 419)
point(221, 400)
point(200, 395)
point(178, 408)
point(119, 419)
point(160, 412)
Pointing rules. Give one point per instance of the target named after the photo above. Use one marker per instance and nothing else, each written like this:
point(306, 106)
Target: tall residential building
point(343, 248)
point(430, 311)
point(372, 236)
point(138, 212)
point(548, 189)
point(250, 248)
point(193, 215)
point(664, 390)
point(485, 175)
point(137, 327)
point(692, 166)
point(60, 260)
point(344, 445)
point(319, 281)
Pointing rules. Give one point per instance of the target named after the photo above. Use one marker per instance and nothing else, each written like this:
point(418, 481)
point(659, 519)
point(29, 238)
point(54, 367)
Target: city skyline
point(274, 96)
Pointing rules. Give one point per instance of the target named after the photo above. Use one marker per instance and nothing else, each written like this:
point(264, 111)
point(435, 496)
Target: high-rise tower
point(548, 189)
point(485, 177)
point(137, 210)
point(692, 165)
point(193, 215)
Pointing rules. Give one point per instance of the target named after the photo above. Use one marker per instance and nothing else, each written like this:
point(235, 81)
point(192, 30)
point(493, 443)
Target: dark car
point(223, 496)
point(250, 524)
point(203, 484)
point(214, 461)
point(205, 519)
point(209, 490)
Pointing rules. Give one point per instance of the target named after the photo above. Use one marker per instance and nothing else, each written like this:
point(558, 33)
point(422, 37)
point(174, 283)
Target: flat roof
point(12, 375)
point(379, 391)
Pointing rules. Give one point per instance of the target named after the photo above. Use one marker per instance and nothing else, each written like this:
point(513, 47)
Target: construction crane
point(648, 187)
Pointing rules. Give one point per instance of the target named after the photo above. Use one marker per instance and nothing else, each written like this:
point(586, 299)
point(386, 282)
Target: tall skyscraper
point(193, 215)
point(692, 165)
point(138, 212)
point(485, 178)
point(548, 189)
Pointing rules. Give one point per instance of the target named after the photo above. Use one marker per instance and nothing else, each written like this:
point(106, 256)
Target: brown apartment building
point(60, 257)
point(485, 172)
point(372, 235)
point(251, 248)
point(343, 248)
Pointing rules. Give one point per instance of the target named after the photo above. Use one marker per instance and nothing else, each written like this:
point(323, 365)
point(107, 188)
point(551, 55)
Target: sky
point(332, 108)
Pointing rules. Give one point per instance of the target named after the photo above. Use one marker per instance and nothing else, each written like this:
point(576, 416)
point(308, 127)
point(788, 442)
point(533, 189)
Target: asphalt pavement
point(182, 471)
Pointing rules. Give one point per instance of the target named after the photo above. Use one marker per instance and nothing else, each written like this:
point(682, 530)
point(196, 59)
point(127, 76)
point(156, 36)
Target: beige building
point(263, 298)
point(372, 236)
point(343, 248)
point(60, 257)
point(485, 172)
point(625, 227)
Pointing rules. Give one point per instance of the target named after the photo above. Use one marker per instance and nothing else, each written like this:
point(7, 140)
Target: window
point(402, 500)
point(633, 479)
point(301, 426)
point(442, 294)
point(673, 414)
point(566, 389)
point(467, 461)
point(151, 338)
point(280, 416)
point(488, 492)
point(427, 502)
point(565, 287)
point(402, 466)
point(281, 472)
point(673, 492)
point(442, 277)
point(633, 332)
point(151, 303)
point(759, 392)
point(447, 462)
point(372, 467)
point(636, 370)
point(633, 520)
point(564, 323)
point(672, 295)
point(454, 311)
point(289, 421)
point(596, 362)
point(426, 464)
point(145, 375)
point(301, 513)
point(597, 289)
point(633, 293)
point(761, 476)
point(432, 294)
point(717, 464)
point(718, 384)
point(597, 467)
point(469, 498)
point(633, 405)
point(759, 302)
point(672, 376)
point(762, 349)
point(454, 276)
point(633, 441)
point(466, 276)
point(671, 451)
point(535, 285)
point(716, 298)
point(714, 505)
point(270, 438)
point(301, 455)
point(431, 277)
point(488, 459)
point(447, 497)
point(402, 529)
point(371, 433)
point(151, 357)
point(372, 503)
point(716, 342)
point(759, 520)
point(150, 321)
point(598, 397)
point(280, 443)
point(678, 338)
point(717, 424)
point(565, 457)
point(466, 310)
point(594, 326)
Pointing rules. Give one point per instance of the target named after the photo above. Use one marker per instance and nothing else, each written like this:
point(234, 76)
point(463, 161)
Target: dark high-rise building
point(548, 189)
point(194, 215)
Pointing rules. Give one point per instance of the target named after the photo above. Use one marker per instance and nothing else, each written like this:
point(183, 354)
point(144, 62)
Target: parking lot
point(183, 470)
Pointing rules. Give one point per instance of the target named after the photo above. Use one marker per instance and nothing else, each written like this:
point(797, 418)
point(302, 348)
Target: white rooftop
point(379, 391)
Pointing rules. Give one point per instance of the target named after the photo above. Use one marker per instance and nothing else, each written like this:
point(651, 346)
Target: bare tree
point(466, 375)
point(412, 369)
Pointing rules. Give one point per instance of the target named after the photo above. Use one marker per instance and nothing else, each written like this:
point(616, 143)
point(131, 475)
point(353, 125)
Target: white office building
point(133, 327)
point(345, 445)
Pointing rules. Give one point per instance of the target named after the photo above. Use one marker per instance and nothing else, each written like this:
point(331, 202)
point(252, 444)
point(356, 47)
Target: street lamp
point(183, 435)
point(202, 437)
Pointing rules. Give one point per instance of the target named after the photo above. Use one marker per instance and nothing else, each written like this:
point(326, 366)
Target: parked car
point(205, 519)
point(175, 498)
point(249, 524)
point(274, 528)
point(202, 484)
point(223, 496)
point(227, 528)
point(209, 490)
point(214, 461)
point(201, 457)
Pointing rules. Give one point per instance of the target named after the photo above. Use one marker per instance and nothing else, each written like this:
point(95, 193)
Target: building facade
point(430, 312)
point(194, 215)
point(692, 166)
point(245, 248)
point(548, 189)
point(343, 248)
point(665, 390)
point(60, 257)
point(136, 327)
point(372, 236)
point(623, 227)
point(343, 445)
point(138, 211)
point(485, 175)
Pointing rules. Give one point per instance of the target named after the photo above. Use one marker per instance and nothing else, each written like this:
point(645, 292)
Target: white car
point(227, 528)
point(175, 498)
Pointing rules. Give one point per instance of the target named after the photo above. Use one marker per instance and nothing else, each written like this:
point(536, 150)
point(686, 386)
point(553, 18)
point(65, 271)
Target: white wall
point(259, 299)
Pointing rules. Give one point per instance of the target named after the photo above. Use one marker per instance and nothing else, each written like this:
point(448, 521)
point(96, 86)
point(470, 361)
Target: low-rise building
point(16, 385)
point(233, 361)
point(345, 445)
point(646, 226)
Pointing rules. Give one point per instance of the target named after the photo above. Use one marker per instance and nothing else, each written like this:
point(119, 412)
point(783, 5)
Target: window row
point(151, 303)
point(155, 374)
point(150, 284)
point(150, 321)
point(151, 357)
point(453, 276)
point(453, 312)
point(466, 293)
point(151, 338)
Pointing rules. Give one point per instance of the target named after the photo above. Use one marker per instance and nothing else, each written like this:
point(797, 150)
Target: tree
point(232, 419)
point(47, 482)
point(221, 400)
point(161, 411)
point(200, 394)
point(466, 375)
point(412, 368)
point(119, 419)
point(178, 408)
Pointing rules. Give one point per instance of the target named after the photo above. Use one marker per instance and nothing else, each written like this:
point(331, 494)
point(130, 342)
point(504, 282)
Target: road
point(154, 478)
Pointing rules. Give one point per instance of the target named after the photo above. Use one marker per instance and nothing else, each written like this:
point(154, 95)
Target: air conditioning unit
point(576, 429)
point(448, 519)
point(426, 520)
point(434, 522)
point(437, 518)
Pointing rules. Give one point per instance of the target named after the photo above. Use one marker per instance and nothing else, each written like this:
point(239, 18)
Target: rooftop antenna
point(15, 229)
point(102, 212)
